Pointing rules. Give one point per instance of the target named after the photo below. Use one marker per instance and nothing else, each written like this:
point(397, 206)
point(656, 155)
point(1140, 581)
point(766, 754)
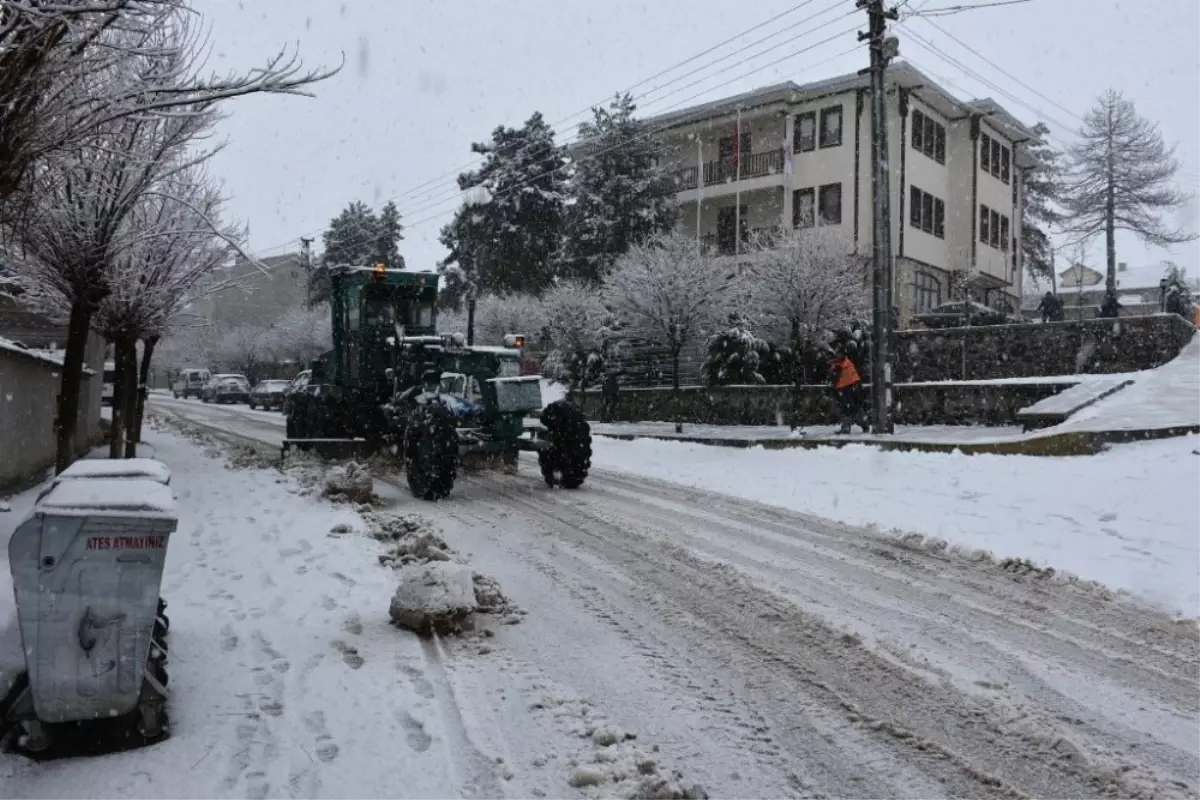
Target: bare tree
point(804, 285)
point(577, 327)
point(59, 60)
point(1121, 178)
point(175, 239)
point(668, 292)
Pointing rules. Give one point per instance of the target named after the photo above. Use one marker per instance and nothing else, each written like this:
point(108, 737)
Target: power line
point(455, 193)
point(658, 130)
point(947, 11)
point(416, 190)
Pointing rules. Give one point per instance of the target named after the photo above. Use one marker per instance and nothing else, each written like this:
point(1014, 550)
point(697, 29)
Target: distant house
point(1139, 290)
point(250, 294)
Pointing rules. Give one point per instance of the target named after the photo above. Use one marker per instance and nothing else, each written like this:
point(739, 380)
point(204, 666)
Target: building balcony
point(726, 170)
point(724, 244)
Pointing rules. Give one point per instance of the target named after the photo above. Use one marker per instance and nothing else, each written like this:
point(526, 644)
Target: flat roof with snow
point(115, 496)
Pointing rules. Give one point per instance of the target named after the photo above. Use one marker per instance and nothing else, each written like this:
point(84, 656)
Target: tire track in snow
point(870, 691)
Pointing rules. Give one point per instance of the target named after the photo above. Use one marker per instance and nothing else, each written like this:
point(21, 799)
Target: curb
point(1077, 443)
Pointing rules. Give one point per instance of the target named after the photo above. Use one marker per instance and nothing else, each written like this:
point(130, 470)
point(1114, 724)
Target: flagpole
point(737, 196)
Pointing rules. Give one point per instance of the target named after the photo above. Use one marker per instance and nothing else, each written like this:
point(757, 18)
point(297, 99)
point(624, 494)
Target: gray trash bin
point(131, 468)
point(87, 568)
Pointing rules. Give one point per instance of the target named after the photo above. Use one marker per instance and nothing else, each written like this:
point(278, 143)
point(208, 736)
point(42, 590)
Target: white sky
point(425, 79)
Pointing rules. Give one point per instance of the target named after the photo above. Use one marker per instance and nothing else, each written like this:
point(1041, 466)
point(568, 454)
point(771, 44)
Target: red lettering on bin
point(126, 542)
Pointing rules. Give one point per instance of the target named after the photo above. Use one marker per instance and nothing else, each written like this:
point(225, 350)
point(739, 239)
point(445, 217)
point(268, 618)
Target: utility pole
point(883, 49)
point(306, 262)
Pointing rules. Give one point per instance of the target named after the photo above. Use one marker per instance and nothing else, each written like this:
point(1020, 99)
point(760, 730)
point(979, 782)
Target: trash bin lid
point(148, 468)
point(109, 496)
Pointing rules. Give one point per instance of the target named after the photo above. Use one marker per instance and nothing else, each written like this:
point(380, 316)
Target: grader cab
point(390, 382)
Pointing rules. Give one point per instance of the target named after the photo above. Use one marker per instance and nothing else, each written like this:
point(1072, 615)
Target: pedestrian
point(847, 387)
point(611, 395)
point(1111, 307)
point(1050, 308)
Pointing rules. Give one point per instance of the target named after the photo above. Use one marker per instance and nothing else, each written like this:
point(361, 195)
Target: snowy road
point(770, 653)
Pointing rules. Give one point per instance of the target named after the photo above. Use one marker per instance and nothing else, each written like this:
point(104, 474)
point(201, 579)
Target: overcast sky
point(424, 79)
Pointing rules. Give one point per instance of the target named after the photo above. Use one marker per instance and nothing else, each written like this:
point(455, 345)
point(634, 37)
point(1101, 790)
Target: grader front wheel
point(431, 452)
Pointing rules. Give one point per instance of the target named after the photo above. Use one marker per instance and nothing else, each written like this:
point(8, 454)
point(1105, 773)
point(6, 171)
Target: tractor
point(392, 384)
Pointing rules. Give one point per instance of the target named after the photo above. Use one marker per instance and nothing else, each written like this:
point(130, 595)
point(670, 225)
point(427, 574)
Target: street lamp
point(1162, 294)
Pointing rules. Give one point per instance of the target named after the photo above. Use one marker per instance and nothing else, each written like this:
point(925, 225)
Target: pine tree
point(388, 233)
point(506, 238)
point(619, 195)
point(1121, 178)
point(1043, 186)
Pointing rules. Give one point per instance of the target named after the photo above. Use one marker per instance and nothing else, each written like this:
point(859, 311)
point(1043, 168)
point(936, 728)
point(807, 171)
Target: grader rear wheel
point(569, 456)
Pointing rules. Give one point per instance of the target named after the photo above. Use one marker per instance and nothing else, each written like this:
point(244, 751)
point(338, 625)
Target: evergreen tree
point(1121, 178)
point(388, 233)
point(357, 237)
point(506, 238)
point(619, 195)
point(1043, 184)
point(735, 356)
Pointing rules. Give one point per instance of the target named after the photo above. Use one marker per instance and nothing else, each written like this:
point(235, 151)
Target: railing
point(724, 245)
point(753, 165)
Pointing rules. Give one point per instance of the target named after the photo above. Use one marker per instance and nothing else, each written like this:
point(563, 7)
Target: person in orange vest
point(847, 385)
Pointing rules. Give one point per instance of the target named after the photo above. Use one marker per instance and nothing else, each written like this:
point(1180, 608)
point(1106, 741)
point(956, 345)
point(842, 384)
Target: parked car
point(227, 388)
point(956, 315)
point(110, 379)
point(268, 394)
point(190, 383)
point(298, 383)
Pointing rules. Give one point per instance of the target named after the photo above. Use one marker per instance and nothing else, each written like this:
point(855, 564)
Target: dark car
point(957, 315)
point(268, 394)
point(226, 388)
point(298, 383)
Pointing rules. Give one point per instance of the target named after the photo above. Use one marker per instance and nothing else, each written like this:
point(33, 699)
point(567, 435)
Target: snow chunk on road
point(350, 482)
point(412, 539)
point(433, 598)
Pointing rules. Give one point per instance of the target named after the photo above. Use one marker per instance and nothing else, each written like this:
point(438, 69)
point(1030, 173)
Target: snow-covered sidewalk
point(1127, 517)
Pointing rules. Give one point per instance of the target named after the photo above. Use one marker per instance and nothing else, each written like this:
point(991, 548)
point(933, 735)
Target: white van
point(190, 383)
point(106, 391)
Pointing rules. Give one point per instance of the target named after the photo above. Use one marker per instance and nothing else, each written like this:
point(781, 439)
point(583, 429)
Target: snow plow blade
point(332, 449)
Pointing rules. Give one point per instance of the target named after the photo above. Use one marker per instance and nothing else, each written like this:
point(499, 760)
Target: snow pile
point(350, 482)
point(611, 763)
point(435, 597)
point(414, 541)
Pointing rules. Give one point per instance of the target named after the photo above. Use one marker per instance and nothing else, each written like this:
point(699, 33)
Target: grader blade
point(331, 449)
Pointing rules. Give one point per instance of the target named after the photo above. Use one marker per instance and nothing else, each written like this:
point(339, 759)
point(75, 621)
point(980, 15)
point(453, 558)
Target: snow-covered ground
point(1127, 517)
point(762, 652)
point(908, 433)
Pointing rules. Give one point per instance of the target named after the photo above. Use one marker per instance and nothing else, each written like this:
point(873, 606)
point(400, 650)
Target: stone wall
point(1034, 350)
point(29, 386)
point(916, 404)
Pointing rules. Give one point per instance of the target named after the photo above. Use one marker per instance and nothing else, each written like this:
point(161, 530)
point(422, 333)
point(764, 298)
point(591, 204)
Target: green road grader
point(392, 384)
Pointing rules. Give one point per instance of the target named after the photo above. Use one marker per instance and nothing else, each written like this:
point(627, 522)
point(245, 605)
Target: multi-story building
point(252, 294)
point(802, 157)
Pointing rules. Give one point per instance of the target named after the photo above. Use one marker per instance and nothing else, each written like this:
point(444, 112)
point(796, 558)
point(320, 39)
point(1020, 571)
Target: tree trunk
point(127, 364)
point(471, 322)
point(148, 346)
point(72, 382)
point(116, 428)
point(675, 388)
point(1110, 212)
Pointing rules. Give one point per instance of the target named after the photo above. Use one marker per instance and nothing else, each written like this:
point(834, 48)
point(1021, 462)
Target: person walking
point(847, 387)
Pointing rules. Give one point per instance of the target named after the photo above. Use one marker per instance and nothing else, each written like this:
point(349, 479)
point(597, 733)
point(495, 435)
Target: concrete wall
point(29, 389)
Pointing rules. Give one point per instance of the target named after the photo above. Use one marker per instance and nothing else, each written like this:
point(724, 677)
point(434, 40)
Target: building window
point(804, 137)
point(830, 197)
point(928, 137)
point(925, 292)
point(928, 213)
point(831, 126)
point(994, 158)
point(994, 229)
point(803, 211)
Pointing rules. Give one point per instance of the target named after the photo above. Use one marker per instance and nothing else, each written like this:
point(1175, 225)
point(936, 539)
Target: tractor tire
point(431, 452)
point(298, 429)
point(569, 456)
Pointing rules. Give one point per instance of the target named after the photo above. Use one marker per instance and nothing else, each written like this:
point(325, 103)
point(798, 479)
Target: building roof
point(790, 92)
point(1143, 278)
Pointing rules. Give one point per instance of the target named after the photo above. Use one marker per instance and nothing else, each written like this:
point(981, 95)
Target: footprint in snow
point(415, 734)
point(349, 654)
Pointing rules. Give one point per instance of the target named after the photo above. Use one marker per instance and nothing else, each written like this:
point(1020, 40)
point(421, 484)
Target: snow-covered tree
point(667, 292)
point(1121, 177)
point(1040, 212)
point(358, 236)
point(1177, 296)
point(736, 357)
point(68, 70)
point(577, 326)
point(507, 241)
point(302, 334)
point(619, 193)
point(805, 284)
point(177, 239)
